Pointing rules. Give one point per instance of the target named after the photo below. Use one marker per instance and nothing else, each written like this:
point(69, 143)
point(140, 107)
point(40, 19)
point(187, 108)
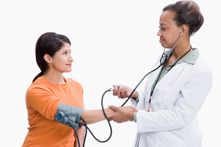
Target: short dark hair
point(48, 43)
point(188, 13)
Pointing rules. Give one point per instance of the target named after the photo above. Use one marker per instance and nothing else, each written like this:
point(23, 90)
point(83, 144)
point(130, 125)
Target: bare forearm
point(93, 116)
point(81, 135)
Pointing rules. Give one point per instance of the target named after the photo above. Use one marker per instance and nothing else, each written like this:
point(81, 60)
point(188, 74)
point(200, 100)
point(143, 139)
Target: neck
point(180, 50)
point(55, 78)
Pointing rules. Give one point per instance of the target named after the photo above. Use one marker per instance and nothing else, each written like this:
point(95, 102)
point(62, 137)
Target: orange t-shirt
point(42, 100)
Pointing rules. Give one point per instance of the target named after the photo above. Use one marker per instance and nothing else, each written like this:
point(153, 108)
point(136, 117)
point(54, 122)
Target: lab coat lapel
point(166, 89)
point(152, 77)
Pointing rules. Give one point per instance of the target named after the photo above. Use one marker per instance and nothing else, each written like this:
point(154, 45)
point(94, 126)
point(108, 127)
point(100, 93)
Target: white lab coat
point(176, 100)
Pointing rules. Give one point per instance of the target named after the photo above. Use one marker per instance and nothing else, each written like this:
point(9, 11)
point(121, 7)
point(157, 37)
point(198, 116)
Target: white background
point(113, 42)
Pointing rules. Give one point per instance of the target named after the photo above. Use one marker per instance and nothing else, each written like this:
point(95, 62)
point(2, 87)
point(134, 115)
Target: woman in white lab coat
point(175, 92)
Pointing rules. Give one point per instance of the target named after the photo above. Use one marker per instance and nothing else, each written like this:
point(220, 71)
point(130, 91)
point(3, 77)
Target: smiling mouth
point(161, 40)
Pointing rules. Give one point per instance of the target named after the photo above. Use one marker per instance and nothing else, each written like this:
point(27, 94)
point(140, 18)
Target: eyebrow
point(162, 24)
point(66, 49)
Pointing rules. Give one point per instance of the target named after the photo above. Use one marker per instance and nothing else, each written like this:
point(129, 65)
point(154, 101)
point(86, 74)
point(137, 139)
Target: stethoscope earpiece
point(181, 32)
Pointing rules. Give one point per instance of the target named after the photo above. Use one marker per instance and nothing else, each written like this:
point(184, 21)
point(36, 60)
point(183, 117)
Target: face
point(168, 30)
point(62, 60)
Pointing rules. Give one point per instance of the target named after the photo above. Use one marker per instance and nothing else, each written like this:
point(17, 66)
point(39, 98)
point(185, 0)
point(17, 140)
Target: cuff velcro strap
point(68, 115)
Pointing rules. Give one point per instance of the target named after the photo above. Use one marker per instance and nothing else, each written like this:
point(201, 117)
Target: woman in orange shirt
point(55, 103)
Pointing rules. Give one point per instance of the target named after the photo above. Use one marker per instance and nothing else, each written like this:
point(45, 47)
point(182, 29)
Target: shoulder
point(74, 83)
point(40, 83)
point(201, 66)
point(201, 73)
point(38, 88)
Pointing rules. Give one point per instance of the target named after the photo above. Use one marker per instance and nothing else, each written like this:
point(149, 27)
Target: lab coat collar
point(190, 58)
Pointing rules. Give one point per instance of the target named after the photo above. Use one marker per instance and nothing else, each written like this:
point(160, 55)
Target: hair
point(188, 13)
point(48, 43)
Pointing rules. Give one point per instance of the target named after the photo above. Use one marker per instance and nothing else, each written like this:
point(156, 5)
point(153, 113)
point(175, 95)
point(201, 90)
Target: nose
point(159, 33)
point(71, 59)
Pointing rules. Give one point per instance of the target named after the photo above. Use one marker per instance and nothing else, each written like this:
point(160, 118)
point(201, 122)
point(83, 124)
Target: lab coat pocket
point(172, 138)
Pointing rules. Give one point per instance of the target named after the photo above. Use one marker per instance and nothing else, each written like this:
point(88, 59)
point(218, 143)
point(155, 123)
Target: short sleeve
point(43, 101)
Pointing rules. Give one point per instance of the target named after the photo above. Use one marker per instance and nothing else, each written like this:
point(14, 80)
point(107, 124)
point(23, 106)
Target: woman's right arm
point(50, 106)
point(94, 116)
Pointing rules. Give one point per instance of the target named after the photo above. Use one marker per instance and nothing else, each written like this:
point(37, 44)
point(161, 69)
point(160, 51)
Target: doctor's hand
point(122, 114)
point(123, 91)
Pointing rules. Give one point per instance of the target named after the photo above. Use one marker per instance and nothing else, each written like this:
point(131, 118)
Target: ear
point(47, 58)
point(185, 29)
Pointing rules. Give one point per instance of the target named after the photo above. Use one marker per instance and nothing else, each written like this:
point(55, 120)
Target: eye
point(65, 53)
point(163, 28)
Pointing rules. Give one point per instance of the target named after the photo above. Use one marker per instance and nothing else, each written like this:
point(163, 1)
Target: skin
point(58, 64)
point(123, 114)
point(168, 32)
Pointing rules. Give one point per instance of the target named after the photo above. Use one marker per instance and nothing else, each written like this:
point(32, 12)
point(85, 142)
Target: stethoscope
point(162, 62)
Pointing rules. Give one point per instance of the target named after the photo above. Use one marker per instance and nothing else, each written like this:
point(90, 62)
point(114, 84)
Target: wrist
point(135, 95)
point(109, 112)
point(131, 116)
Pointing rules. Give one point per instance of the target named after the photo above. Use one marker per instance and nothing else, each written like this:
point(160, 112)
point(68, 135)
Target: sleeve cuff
point(135, 117)
point(136, 99)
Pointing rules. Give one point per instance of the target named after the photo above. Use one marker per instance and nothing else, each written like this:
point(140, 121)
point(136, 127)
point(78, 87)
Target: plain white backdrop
point(113, 42)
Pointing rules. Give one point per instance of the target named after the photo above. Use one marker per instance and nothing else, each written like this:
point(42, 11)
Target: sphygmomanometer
point(71, 116)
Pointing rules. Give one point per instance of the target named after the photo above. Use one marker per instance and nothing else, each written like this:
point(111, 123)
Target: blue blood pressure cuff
point(68, 115)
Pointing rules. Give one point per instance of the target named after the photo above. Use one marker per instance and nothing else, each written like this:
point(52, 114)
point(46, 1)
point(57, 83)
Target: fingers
point(117, 116)
point(122, 114)
point(116, 91)
point(110, 118)
point(130, 108)
point(125, 108)
point(122, 91)
point(116, 86)
point(135, 110)
point(112, 108)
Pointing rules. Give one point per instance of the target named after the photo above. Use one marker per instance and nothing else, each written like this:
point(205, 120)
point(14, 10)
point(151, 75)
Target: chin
point(166, 46)
point(67, 71)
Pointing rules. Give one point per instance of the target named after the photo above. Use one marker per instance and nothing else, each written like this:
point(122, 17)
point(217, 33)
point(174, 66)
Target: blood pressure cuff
point(68, 115)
